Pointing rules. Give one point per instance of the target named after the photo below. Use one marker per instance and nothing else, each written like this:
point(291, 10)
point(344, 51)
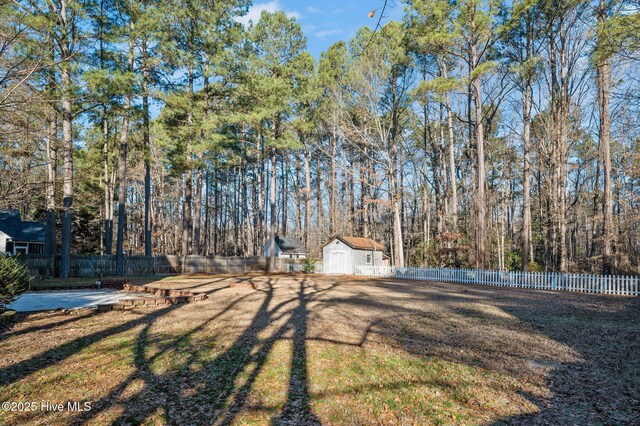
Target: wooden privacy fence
point(585, 283)
point(42, 266)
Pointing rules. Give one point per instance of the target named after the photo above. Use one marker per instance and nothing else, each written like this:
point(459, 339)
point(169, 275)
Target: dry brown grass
point(333, 350)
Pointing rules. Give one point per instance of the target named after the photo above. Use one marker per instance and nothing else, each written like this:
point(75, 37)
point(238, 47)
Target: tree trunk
point(284, 193)
point(197, 247)
point(452, 161)
point(307, 197)
point(148, 244)
point(394, 195)
point(206, 214)
point(186, 214)
point(273, 224)
point(122, 175)
point(52, 166)
point(526, 191)
point(480, 197)
point(397, 235)
point(603, 80)
point(320, 206)
point(108, 194)
point(364, 192)
point(332, 182)
point(67, 189)
point(261, 198)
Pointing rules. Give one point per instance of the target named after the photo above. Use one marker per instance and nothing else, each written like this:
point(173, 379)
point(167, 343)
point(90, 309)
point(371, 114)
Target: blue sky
point(325, 22)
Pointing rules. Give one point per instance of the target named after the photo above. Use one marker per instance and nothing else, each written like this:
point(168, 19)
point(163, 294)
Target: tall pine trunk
point(272, 203)
point(260, 188)
point(480, 197)
point(284, 193)
point(527, 92)
point(122, 173)
point(307, 197)
point(526, 191)
point(108, 195)
point(332, 182)
point(52, 165)
point(148, 244)
point(67, 188)
point(452, 161)
point(603, 80)
point(186, 213)
point(187, 217)
point(108, 188)
point(197, 247)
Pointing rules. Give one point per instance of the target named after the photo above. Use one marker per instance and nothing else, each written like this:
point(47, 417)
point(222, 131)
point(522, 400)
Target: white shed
point(342, 253)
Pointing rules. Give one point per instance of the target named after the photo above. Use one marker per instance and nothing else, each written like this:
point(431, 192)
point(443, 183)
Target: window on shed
point(368, 257)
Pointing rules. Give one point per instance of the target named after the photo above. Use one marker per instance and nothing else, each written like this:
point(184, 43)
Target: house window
point(368, 257)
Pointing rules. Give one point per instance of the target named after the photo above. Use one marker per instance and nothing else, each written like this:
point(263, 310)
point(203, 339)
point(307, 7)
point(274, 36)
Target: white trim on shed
point(340, 258)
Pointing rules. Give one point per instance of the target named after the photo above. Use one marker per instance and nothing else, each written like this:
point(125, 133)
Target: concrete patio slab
point(43, 301)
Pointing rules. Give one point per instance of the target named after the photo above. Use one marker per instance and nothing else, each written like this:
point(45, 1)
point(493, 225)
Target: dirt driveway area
point(295, 349)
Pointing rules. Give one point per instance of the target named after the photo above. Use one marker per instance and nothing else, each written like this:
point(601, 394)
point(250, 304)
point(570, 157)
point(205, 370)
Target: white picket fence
point(585, 283)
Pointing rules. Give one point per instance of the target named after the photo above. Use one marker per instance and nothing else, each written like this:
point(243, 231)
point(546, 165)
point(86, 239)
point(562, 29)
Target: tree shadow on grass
point(566, 344)
point(297, 409)
point(65, 319)
point(602, 387)
point(216, 391)
point(581, 348)
point(13, 373)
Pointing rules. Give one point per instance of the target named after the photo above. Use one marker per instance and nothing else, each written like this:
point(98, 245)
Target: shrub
point(14, 279)
point(535, 267)
point(309, 266)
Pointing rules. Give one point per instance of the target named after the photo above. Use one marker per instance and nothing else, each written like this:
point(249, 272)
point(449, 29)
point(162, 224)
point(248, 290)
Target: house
point(342, 253)
point(18, 236)
point(286, 247)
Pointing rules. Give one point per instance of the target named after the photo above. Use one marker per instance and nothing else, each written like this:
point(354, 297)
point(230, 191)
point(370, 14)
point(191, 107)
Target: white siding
point(360, 258)
point(3, 242)
point(337, 246)
point(267, 252)
point(353, 257)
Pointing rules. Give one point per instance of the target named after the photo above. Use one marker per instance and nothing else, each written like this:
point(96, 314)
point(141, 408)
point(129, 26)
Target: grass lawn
point(332, 350)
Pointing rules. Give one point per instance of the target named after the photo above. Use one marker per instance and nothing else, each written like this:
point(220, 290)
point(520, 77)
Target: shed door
point(338, 262)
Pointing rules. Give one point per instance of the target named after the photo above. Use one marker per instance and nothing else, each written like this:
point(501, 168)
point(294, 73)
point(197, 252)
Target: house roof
point(20, 230)
point(359, 243)
point(290, 245)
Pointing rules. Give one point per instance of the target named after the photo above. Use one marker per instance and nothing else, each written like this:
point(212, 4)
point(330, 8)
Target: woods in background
point(473, 133)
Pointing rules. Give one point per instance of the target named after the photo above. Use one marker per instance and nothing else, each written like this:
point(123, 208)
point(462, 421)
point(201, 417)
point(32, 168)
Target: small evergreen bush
point(309, 266)
point(14, 280)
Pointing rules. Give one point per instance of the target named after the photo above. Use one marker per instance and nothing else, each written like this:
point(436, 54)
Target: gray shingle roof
point(19, 230)
point(290, 245)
